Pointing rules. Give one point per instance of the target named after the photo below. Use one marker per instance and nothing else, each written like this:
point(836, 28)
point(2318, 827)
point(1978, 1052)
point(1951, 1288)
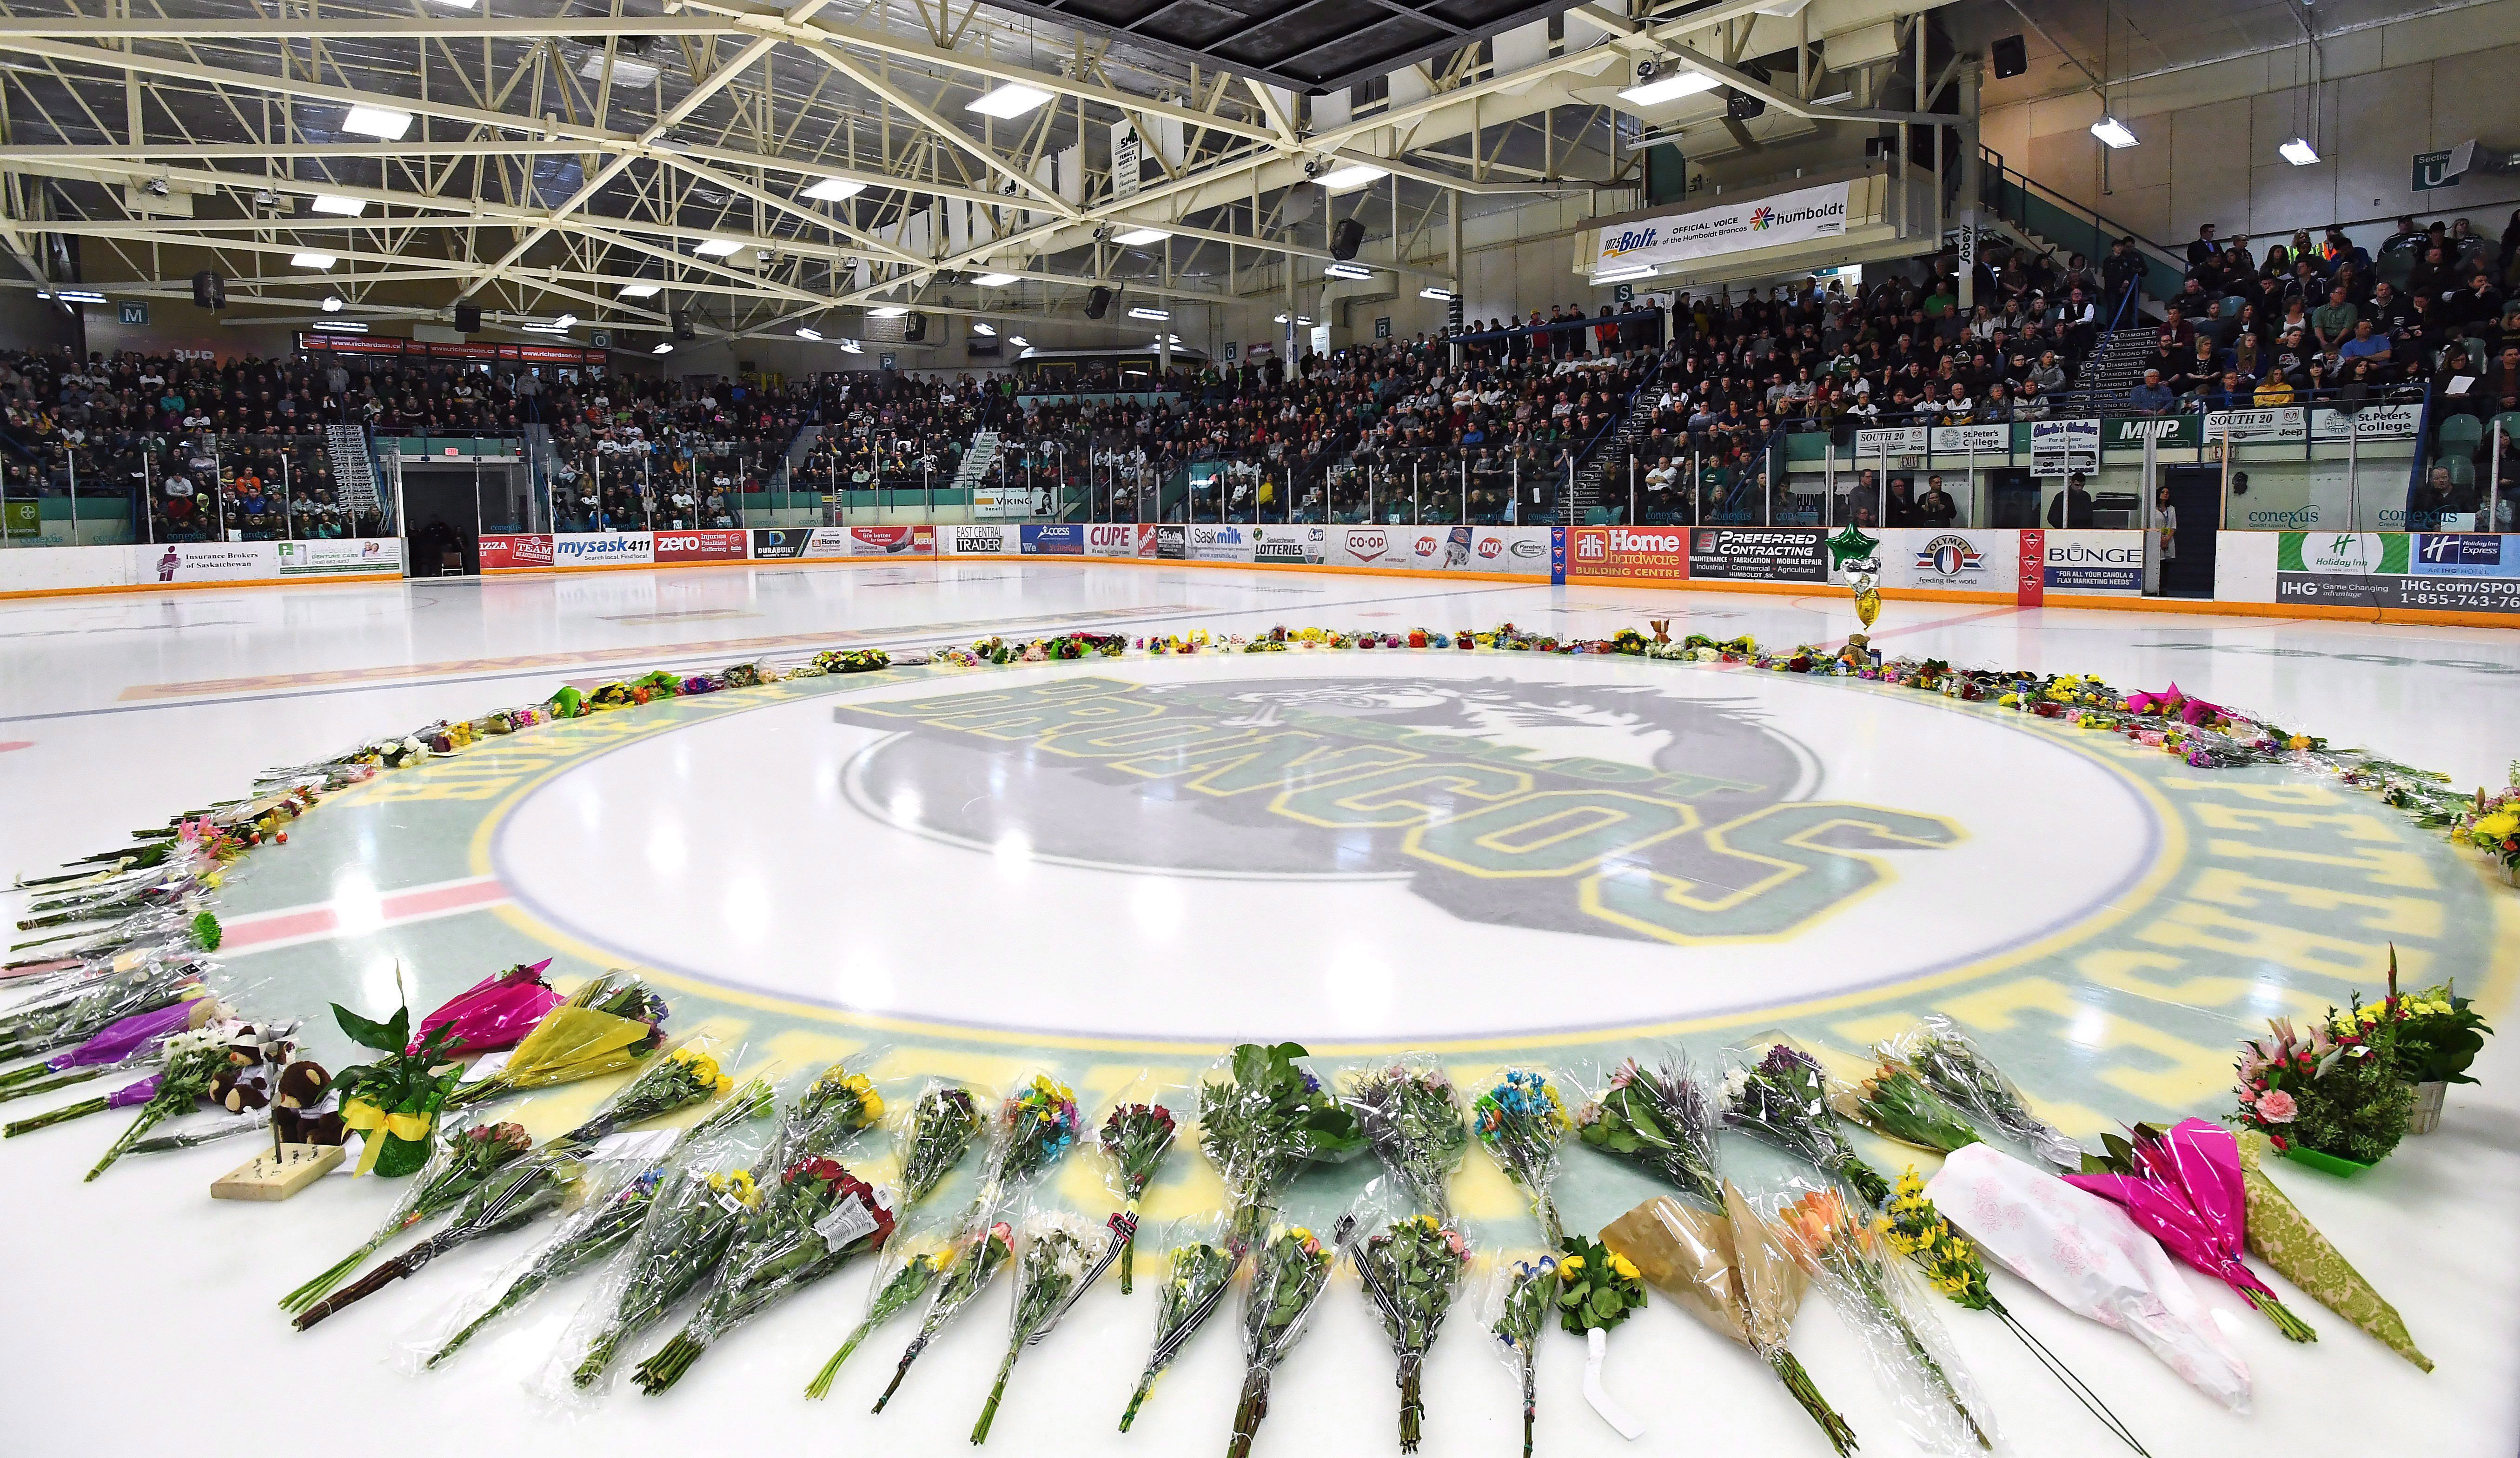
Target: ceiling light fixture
point(625, 71)
point(803, 333)
point(1147, 313)
point(1622, 275)
point(994, 280)
point(384, 124)
point(984, 329)
point(851, 347)
point(662, 349)
point(2298, 152)
point(564, 320)
point(1347, 271)
point(834, 189)
point(340, 326)
point(1668, 88)
point(312, 260)
point(79, 295)
point(2114, 132)
point(1440, 296)
point(888, 311)
point(1019, 341)
point(1353, 176)
point(638, 291)
point(337, 204)
point(331, 303)
point(1138, 238)
point(715, 247)
point(1012, 99)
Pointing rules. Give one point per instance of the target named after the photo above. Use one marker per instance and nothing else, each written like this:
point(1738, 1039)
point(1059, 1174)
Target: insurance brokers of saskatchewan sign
point(1725, 228)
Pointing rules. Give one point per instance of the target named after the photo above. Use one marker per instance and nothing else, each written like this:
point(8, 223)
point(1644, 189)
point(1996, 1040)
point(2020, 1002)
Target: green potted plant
point(2439, 1036)
point(2333, 1098)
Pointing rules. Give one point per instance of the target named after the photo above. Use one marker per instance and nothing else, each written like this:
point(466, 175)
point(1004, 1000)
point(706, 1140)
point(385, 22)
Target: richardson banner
point(351, 557)
point(1291, 544)
point(603, 549)
point(1053, 541)
point(507, 553)
point(1757, 554)
point(1635, 554)
point(980, 541)
point(2106, 564)
point(1228, 542)
point(701, 546)
point(789, 543)
point(1116, 539)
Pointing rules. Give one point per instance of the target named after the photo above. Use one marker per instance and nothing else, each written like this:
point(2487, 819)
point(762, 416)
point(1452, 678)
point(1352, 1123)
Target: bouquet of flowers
point(1597, 1287)
point(1062, 1255)
point(1262, 1123)
point(972, 1263)
point(1289, 1270)
point(944, 1123)
point(692, 1217)
point(125, 1042)
point(1896, 1103)
point(1521, 1121)
point(1526, 1291)
point(396, 1100)
point(1729, 1271)
point(2183, 1187)
point(600, 1229)
point(493, 1012)
point(2092, 1259)
point(1200, 1271)
point(1917, 1230)
point(185, 1081)
point(1944, 1059)
point(518, 1193)
point(677, 1080)
point(461, 1161)
point(1909, 1351)
point(2336, 1092)
point(903, 1277)
point(1134, 1138)
point(816, 1216)
point(836, 1106)
point(2279, 1235)
point(605, 1026)
point(1783, 1099)
point(1657, 1117)
point(1412, 1115)
point(73, 1016)
point(1410, 1271)
point(2440, 1033)
point(1036, 1124)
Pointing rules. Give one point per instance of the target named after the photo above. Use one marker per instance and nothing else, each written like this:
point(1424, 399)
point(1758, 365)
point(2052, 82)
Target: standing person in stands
point(2122, 277)
point(2073, 507)
point(1936, 509)
point(2203, 251)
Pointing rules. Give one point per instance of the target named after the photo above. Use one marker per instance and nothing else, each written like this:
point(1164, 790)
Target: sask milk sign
point(1728, 228)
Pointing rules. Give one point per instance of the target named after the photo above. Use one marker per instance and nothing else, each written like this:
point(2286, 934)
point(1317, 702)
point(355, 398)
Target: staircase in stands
point(354, 467)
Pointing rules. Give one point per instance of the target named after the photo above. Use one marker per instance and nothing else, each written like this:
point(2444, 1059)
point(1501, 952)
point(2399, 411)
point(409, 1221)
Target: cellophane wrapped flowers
point(1410, 1270)
point(1199, 1272)
point(944, 1123)
point(1782, 1098)
point(1522, 1122)
point(1061, 1255)
point(1134, 1138)
point(1262, 1123)
point(1957, 1069)
point(1657, 1117)
point(908, 1271)
point(1412, 1115)
point(1291, 1267)
point(459, 1163)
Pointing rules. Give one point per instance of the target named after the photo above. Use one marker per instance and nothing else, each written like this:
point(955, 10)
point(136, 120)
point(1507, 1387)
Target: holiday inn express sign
point(1725, 228)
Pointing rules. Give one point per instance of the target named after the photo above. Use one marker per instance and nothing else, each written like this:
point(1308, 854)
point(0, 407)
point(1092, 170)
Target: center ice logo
point(1608, 810)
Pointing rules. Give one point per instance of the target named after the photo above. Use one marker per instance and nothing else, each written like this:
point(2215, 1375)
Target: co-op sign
point(1730, 227)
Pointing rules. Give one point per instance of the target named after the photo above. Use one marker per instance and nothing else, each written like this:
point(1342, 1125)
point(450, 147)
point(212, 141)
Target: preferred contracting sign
point(1725, 228)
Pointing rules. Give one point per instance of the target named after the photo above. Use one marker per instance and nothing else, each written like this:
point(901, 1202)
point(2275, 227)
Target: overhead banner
point(1631, 554)
point(1798, 216)
point(1127, 156)
point(1757, 554)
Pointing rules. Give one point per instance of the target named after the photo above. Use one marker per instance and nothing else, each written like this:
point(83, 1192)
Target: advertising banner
point(1212, 542)
point(355, 557)
point(830, 543)
point(1636, 554)
point(1892, 440)
point(1052, 541)
point(2094, 562)
point(1963, 440)
point(1371, 546)
point(603, 549)
point(506, 553)
point(2464, 554)
point(970, 540)
point(2252, 427)
point(205, 561)
point(2174, 431)
point(2064, 447)
point(2370, 423)
point(1932, 559)
point(1797, 216)
point(1308, 545)
point(701, 546)
point(2458, 572)
point(1757, 554)
point(1114, 538)
point(2032, 589)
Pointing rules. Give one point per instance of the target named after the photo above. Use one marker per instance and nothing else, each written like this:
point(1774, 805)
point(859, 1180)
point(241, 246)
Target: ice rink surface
point(879, 868)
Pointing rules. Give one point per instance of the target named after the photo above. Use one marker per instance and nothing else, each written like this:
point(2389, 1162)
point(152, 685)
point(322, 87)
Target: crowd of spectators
point(635, 454)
